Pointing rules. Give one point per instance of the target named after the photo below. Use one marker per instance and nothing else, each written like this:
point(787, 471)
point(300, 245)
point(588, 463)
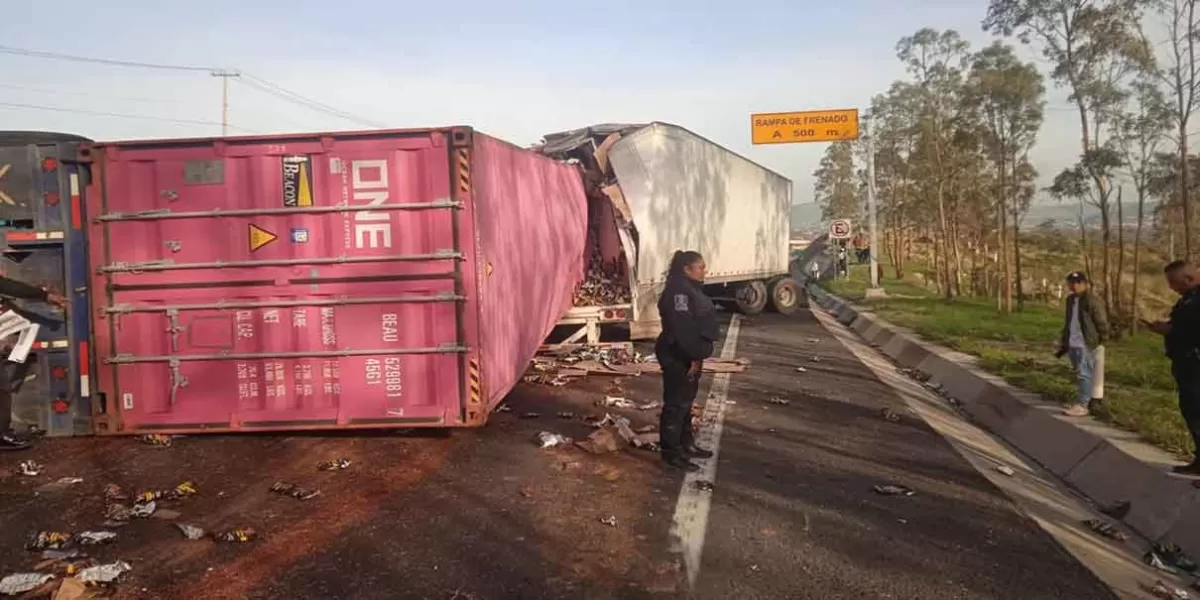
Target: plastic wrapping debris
point(30, 468)
point(1117, 510)
point(1107, 530)
point(531, 415)
point(601, 441)
point(814, 340)
point(1152, 559)
point(546, 439)
point(1174, 556)
point(705, 486)
point(48, 540)
point(816, 359)
point(649, 405)
point(60, 484)
point(108, 573)
point(801, 370)
point(190, 532)
point(157, 439)
point(143, 510)
point(179, 492)
point(778, 400)
point(1006, 470)
point(62, 554)
point(610, 521)
point(340, 464)
point(1169, 592)
point(503, 408)
point(287, 489)
point(893, 490)
point(616, 402)
point(117, 513)
point(95, 538)
point(113, 493)
point(19, 583)
point(243, 534)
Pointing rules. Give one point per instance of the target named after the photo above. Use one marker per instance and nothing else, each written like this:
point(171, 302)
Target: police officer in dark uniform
point(11, 289)
point(689, 321)
point(1182, 336)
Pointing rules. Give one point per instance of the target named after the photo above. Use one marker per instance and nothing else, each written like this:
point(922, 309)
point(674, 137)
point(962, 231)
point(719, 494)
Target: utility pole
point(225, 75)
point(875, 290)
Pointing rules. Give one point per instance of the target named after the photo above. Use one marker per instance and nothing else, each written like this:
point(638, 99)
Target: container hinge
point(178, 381)
point(174, 328)
point(173, 245)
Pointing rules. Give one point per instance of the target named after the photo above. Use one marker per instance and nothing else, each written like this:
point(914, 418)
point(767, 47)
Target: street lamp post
point(875, 290)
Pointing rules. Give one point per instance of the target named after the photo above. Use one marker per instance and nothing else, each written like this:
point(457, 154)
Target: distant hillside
point(807, 217)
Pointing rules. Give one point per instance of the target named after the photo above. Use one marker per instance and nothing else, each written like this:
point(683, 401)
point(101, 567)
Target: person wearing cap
point(1082, 339)
point(1181, 334)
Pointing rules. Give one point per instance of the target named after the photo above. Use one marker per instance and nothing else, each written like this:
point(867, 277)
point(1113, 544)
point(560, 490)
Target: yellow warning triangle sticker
point(260, 237)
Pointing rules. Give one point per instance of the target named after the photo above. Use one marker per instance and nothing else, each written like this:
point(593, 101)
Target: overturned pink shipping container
point(324, 281)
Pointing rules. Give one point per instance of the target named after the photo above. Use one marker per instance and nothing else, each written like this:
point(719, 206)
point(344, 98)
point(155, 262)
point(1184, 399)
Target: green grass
point(1020, 348)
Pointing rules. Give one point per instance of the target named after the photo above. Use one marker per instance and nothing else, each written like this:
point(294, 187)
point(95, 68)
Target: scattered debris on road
point(116, 515)
point(503, 408)
point(113, 493)
point(299, 493)
point(601, 441)
point(1006, 470)
point(1154, 560)
point(814, 340)
point(816, 359)
point(143, 510)
point(240, 535)
point(1107, 530)
point(95, 538)
point(190, 532)
point(71, 588)
point(30, 468)
point(566, 415)
point(704, 486)
point(1168, 592)
point(546, 439)
point(48, 540)
point(1173, 555)
point(778, 400)
point(531, 415)
point(893, 490)
point(801, 370)
point(340, 464)
point(1118, 510)
point(157, 439)
point(60, 484)
point(615, 402)
point(610, 521)
point(19, 583)
point(889, 415)
point(108, 573)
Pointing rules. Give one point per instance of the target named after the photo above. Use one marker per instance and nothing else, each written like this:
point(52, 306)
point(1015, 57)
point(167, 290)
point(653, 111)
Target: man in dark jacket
point(1082, 339)
point(1182, 337)
point(11, 289)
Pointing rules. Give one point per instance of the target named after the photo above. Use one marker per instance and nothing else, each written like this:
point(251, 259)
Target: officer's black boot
point(679, 462)
point(697, 452)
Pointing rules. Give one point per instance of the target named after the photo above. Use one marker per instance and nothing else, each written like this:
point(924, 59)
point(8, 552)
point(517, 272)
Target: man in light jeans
point(1082, 339)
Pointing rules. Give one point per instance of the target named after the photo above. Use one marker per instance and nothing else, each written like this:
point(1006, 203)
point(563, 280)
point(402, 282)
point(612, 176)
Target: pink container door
point(277, 284)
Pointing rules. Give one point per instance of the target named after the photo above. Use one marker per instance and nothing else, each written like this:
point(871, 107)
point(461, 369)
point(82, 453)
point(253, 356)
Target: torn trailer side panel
point(321, 281)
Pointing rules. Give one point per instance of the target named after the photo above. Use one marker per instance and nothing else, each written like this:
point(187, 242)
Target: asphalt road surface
point(486, 513)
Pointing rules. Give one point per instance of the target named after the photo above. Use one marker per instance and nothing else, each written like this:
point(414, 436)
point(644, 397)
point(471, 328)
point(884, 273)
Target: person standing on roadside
point(689, 320)
point(1182, 339)
point(11, 289)
point(1082, 339)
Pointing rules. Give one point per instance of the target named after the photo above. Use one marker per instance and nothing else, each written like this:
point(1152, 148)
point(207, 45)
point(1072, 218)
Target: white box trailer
point(659, 188)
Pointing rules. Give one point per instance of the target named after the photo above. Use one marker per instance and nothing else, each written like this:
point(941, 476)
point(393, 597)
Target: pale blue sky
point(515, 69)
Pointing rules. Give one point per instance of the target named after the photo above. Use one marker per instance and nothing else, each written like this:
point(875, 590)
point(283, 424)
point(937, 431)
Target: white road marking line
point(691, 511)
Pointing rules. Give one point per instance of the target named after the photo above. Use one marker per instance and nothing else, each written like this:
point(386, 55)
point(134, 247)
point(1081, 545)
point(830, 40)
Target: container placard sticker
point(299, 235)
point(297, 181)
point(260, 237)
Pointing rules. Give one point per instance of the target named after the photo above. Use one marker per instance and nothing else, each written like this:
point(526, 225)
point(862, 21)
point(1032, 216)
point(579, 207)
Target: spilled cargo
point(323, 281)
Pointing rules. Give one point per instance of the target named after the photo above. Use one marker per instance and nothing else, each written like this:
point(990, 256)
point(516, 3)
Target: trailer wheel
point(751, 298)
point(786, 295)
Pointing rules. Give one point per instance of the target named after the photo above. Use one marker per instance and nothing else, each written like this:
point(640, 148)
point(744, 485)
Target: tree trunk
point(1106, 243)
point(1118, 306)
point(1016, 246)
point(1137, 260)
point(944, 274)
point(1185, 196)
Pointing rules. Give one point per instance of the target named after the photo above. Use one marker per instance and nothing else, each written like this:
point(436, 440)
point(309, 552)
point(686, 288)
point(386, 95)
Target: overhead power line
point(252, 81)
point(59, 92)
point(98, 113)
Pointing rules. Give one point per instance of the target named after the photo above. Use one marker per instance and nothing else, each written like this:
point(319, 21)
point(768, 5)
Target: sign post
point(825, 126)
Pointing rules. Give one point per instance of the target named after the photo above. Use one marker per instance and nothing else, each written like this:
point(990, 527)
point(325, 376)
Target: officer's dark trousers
point(1187, 378)
point(679, 393)
point(5, 397)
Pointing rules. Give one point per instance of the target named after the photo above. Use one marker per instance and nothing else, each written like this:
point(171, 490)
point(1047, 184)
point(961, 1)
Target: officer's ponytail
point(681, 260)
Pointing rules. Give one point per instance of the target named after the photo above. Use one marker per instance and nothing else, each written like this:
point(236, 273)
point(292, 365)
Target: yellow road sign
point(260, 237)
point(808, 126)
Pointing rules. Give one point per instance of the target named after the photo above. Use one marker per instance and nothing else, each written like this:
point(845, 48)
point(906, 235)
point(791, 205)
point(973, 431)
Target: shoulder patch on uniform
point(681, 302)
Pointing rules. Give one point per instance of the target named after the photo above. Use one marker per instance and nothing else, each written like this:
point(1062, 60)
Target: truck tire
point(751, 298)
point(786, 295)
